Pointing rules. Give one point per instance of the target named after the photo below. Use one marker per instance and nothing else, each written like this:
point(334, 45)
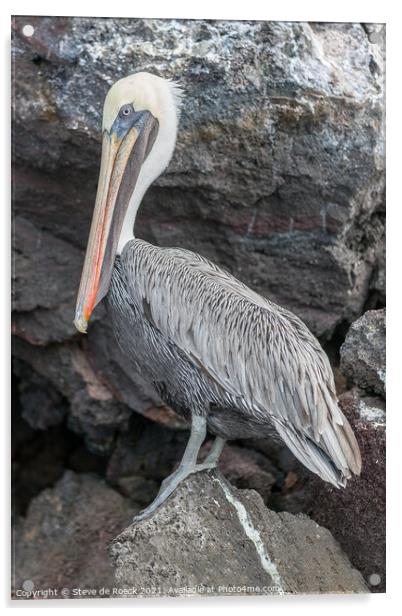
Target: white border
point(285, 10)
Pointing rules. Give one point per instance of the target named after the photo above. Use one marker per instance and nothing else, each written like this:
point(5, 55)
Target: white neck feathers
point(158, 159)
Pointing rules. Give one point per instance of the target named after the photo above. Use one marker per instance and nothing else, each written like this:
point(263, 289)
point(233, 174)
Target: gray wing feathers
point(257, 351)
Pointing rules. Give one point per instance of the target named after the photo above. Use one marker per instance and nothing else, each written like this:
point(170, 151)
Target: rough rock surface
point(356, 515)
point(363, 352)
point(278, 175)
point(210, 538)
point(62, 542)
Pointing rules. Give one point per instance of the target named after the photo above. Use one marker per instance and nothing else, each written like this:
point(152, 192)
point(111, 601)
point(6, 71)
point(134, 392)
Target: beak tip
point(81, 324)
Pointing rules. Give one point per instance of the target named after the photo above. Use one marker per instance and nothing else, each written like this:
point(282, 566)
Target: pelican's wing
point(256, 350)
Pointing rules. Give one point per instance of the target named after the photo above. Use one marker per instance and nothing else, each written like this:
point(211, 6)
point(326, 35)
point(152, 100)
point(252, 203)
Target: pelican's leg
point(215, 451)
point(187, 466)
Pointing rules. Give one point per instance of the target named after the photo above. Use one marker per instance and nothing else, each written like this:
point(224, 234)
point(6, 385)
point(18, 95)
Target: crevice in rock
point(41, 456)
point(333, 345)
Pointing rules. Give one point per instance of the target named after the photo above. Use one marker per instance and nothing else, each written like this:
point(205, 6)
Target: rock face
point(356, 515)
point(363, 352)
point(61, 544)
point(209, 538)
point(278, 175)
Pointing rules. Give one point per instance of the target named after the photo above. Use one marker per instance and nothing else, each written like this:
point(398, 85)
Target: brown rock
point(246, 468)
point(356, 514)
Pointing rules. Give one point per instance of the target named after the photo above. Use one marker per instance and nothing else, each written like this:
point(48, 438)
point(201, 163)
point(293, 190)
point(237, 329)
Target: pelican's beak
point(124, 150)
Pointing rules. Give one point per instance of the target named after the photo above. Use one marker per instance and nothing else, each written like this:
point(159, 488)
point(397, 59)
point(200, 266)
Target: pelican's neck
point(127, 231)
point(155, 163)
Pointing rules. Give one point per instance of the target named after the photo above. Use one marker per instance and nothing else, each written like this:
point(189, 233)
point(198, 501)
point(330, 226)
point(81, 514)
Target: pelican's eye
point(126, 110)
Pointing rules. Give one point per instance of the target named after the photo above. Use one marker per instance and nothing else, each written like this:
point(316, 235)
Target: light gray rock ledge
point(363, 354)
point(210, 538)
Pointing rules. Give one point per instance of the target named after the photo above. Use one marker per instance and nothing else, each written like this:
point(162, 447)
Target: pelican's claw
point(169, 484)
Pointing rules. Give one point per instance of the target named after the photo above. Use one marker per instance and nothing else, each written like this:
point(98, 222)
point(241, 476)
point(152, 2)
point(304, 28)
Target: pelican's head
point(140, 119)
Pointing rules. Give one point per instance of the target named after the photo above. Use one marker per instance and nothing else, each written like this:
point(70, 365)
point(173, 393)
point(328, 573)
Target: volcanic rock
point(209, 538)
point(62, 542)
point(356, 515)
point(363, 352)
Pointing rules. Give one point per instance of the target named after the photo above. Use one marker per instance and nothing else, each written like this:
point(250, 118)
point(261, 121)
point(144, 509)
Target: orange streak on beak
point(115, 154)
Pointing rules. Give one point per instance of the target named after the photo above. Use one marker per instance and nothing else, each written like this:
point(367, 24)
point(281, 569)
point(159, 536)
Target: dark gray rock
point(356, 516)
point(41, 404)
point(363, 352)
point(291, 476)
point(145, 455)
point(46, 271)
point(93, 411)
point(62, 542)
point(39, 445)
point(378, 282)
point(279, 163)
point(210, 538)
point(246, 468)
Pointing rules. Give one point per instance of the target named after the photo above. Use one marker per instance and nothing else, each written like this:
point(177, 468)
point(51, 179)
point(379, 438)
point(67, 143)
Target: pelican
point(229, 360)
